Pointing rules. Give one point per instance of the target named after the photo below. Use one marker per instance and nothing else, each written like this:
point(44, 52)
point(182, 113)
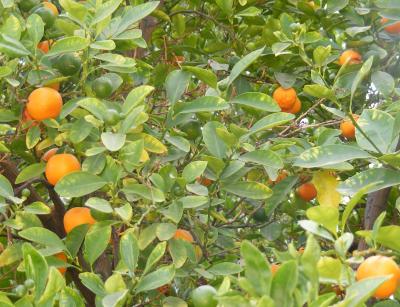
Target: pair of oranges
point(287, 100)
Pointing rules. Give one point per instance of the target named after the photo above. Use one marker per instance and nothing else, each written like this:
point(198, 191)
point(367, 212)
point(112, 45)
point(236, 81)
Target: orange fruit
point(77, 216)
point(307, 191)
point(350, 57)
point(48, 154)
point(301, 250)
point(51, 7)
point(44, 103)
point(348, 129)
point(164, 289)
point(282, 175)
point(183, 235)
point(62, 257)
point(285, 98)
point(45, 45)
point(27, 118)
point(204, 181)
point(380, 266)
point(60, 165)
point(393, 28)
point(295, 108)
point(274, 268)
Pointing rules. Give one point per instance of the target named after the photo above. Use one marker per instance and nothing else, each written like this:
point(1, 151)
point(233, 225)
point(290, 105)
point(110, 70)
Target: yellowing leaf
point(144, 157)
point(153, 145)
point(326, 185)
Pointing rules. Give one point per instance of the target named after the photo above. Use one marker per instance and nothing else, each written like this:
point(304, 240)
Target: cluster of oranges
point(287, 100)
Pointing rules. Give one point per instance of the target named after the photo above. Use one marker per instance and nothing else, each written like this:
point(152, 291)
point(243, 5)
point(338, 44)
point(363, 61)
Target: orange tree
point(199, 153)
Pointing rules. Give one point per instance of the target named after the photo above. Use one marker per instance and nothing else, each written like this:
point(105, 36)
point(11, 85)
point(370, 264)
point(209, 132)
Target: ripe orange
point(274, 268)
point(393, 28)
point(379, 266)
point(285, 98)
point(62, 257)
point(204, 181)
point(348, 129)
point(48, 154)
point(184, 235)
point(44, 103)
point(77, 216)
point(282, 175)
point(45, 45)
point(295, 108)
point(27, 121)
point(51, 7)
point(307, 191)
point(350, 57)
point(60, 165)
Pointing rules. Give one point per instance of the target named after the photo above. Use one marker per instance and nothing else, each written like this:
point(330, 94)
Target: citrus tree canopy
point(199, 153)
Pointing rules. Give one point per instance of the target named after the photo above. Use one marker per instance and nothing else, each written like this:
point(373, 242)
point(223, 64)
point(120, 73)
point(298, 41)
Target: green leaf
point(179, 142)
point(267, 158)
point(379, 127)
point(74, 8)
point(96, 241)
point(115, 299)
point(386, 235)
point(156, 279)
point(362, 73)
point(80, 130)
point(105, 10)
point(11, 254)
point(257, 269)
point(129, 251)
point(202, 74)
point(359, 292)
point(193, 170)
point(38, 208)
point(99, 204)
point(6, 190)
point(177, 250)
point(147, 235)
point(270, 121)
point(176, 84)
point(376, 179)
point(113, 141)
point(29, 172)
point(314, 228)
point(202, 104)
point(190, 202)
point(35, 268)
point(225, 268)
point(326, 216)
point(12, 47)
point(252, 190)
point(334, 6)
point(131, 154)
point(284, 284)
point(226, 6)
point(78, 184)
point(35, 28)
point(319, 91)
point(165, 231)
point(329, 155)
point(214, 144)
point(70, 297)
point(93, 282)
point(136, 97)
point(32, 137)
point(55, 283)
point(144, 191)
point(243, 63)
point(321, 54)
point(42, 236)
point(75, 239)
point(94, 106)
point(68, 44)
point(156, 254)
point(259, 101)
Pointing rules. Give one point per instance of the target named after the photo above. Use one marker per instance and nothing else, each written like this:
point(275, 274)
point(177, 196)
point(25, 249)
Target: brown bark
point(147, 26)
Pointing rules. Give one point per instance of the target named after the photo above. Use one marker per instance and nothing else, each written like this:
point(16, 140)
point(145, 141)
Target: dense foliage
point(199, 153)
